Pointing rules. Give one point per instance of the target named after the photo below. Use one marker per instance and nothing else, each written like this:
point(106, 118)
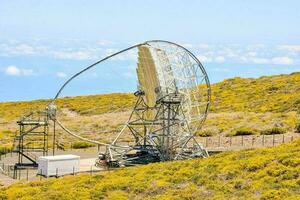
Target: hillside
point(257, 105)
point(278, 93)
point(267, 173)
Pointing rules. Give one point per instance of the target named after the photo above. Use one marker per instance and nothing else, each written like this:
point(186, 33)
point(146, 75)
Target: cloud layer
point(249, 54)
point(284, 54)
point(16, 71)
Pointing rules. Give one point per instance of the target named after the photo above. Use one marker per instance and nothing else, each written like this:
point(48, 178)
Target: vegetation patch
point(273, 131)
point(258, 104)
point(297, 128)
point(244, 131)
point(5, 149)
point(266, 173)
point(82, 145)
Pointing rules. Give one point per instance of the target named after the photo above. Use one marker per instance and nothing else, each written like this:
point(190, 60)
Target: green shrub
point(244, 131)
point(272, 194)
point(82, 145)
point(206, 133)
point(273, 89)
point(297, 128)
point(4, 150)
point(273, 131)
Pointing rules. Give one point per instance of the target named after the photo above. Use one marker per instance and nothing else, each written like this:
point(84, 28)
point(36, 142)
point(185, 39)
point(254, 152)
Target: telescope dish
point(165, 68)
point(172, 103)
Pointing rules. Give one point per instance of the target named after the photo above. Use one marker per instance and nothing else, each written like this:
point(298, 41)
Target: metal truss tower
point(32, 139)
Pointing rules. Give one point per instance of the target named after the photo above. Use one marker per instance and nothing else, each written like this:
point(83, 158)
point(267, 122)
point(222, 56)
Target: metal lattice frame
point(181, 108)
point(32, 138)
point(178, 107)
point(179, 70)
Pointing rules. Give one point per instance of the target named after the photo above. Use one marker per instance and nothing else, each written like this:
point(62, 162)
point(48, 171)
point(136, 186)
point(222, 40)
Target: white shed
point(58, 165)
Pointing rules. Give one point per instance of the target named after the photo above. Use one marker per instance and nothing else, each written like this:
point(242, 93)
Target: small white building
point(58, 165)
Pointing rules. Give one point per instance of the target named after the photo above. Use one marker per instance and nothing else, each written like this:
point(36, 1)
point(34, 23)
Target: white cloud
point(217, 69)
point(58, 52)
point(75, 55)
point(207, 53)
point(21, 49)
point(255, 46)
point(208, 57)
point(260, 60)
point(204, 59)
point(230, 53)
point(25, 49)
point(13, 70)
point(128, 55)
point(292, 48)
point(204, 46)
point(110, 51)
point(61, 74)
point(251, 54)
point(27, 72)
point(188, 45)
point(282, 60)
point(220, 59)
point(105, 42)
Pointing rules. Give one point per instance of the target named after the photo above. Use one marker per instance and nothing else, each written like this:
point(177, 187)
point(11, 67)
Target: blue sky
point(42, 43)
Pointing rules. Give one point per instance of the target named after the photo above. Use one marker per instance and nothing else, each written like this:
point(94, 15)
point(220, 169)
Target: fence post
point(292, 138)
point(41, 174)
point(91, 170)
point(73, 171)
point(282, 138)
point(205, 141)
point(230, 141)
point(14, 173)
point(27, 174)
point(273, 140)
point(242, 140)
point(8, 172)
point(253, 138)
point(263, 140)
point(56, 172)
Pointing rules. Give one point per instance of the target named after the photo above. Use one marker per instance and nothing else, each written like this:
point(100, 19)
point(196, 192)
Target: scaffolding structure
point(32, 139)
point(167, 136)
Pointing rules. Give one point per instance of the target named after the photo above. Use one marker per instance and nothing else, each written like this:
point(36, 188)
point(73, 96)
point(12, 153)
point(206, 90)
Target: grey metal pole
point(53, 137)
point(242, 140)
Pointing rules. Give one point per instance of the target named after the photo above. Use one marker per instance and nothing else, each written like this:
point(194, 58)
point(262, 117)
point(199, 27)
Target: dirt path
point(6, 180)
